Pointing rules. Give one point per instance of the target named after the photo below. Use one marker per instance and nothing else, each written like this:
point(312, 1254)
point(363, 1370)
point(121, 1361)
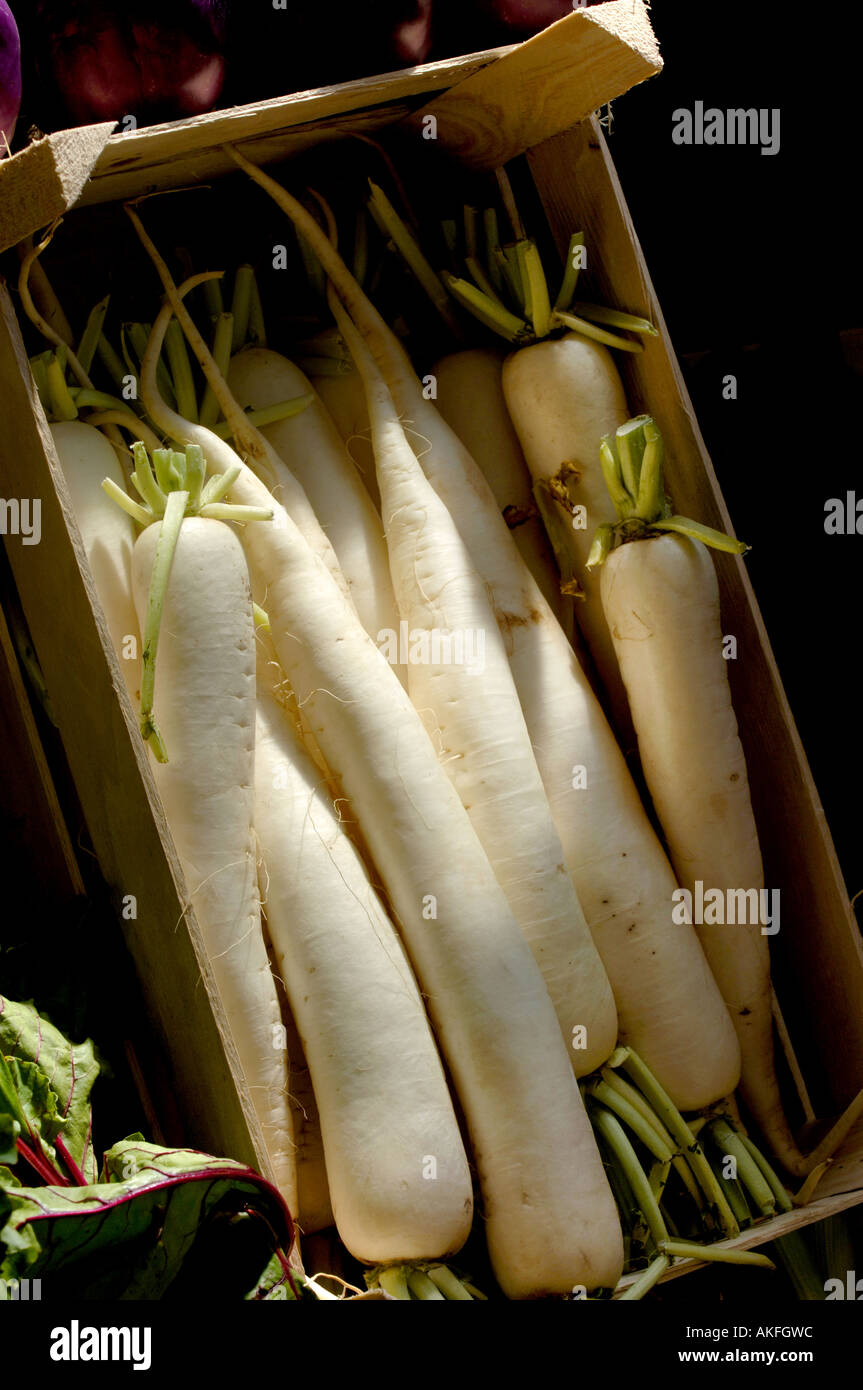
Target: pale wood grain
point(547, 84)
point(42, 181)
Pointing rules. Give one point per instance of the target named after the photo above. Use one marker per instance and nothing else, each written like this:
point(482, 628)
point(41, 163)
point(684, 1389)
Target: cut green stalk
point(423, 1288)
point(110, 361)
point(142, 515)
point(630, 1093)
point(537, 304)
point(645, 1282)
point(212, 291)
point(631, 443)
point(615, 1137)
point(732, 1188)
point(181, 372)
point(674, 1122)
point(632, 465)
point(406, 244)
point(241, 306)
point(658, 1177)
point(223, 337)
point(651, 500)
point(449, 232)
point(780, 1195)
point(175, 509)
point(688, 1250)
point(506, 259)
point(174, 492)
point(145, 483)
point(492, 244)
point(599, 335)
point(267, 415)
point(92, 333)
point(487, 310)
point(449, 1284)
point(755, 1184)
point(612, 472)
point(257, 332)
point(481, 280)
point(625, 1111)
point(470, 218)
point(717, 540)
point(571, 272)
point(62, 405)
point(394, 1282)
point(616, 318)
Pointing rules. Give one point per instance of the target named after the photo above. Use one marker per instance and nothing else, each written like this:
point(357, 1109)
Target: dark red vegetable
point(10, 76)
point(150, 59)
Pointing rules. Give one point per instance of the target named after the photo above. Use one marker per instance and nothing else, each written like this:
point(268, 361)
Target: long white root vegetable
point(205, 694)
point(470, 398)
point(398, 1176)
point(469, 694)
point(669, 1006)
point(661, 599)
point(550, 1218)
point(312, 449)
point(86, 457)
point(563, 395)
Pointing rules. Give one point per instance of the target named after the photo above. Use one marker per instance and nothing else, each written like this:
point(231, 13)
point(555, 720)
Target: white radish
point(669, 1006)
point(475, 714)
point(563, 395)
point(550, 1218)
point(385, 1111)
point(312, 449)
point(343, 396)
point(661, 599)
point(314, 1208)
point(470, 398)
point(205, 696)
point(86, 457)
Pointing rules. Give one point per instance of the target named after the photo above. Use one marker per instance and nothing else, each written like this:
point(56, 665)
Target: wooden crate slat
point(547, 84)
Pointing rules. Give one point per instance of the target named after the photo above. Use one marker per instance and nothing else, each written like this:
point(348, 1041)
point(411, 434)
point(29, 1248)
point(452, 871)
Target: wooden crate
point(537, 98)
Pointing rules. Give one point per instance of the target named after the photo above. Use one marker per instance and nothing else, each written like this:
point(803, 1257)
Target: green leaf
point(9, 1131)
point(68, 1069)
point(37, 1101)
point(127, 1237)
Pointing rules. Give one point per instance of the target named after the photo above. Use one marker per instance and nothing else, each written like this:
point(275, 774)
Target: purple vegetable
point(524, 17)
point(151, 59)
point(10, 75)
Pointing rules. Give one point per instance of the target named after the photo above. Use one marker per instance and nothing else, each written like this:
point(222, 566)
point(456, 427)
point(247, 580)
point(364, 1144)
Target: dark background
point(756, 263)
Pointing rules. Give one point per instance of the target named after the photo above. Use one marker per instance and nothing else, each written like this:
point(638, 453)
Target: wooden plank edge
point(547, 84)
point(40, 762)
point(45, 179)
point(762, 1234)
point(158, 144)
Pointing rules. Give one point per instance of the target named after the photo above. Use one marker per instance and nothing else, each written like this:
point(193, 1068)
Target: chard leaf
point(127, 1236)
point(69, 1071)
point(9, 1131)
point(38, 1103)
